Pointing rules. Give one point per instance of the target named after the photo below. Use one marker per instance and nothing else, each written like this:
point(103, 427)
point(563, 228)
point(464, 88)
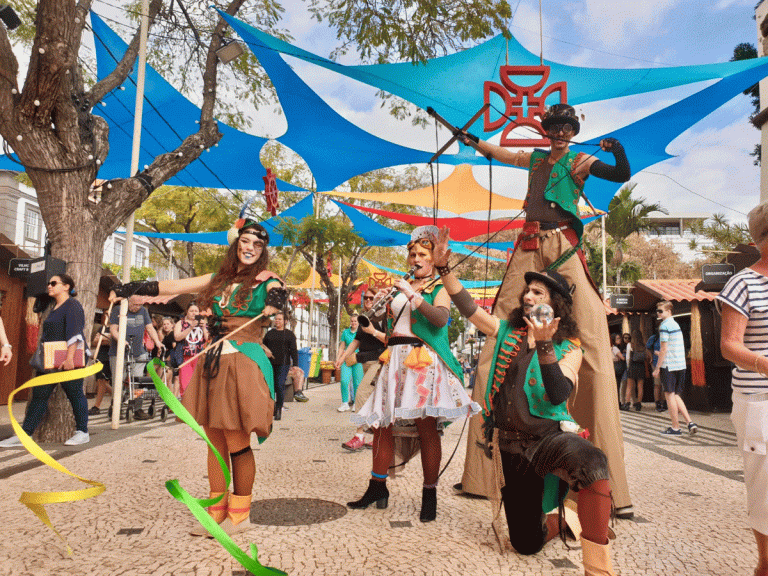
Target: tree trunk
point(77, 238)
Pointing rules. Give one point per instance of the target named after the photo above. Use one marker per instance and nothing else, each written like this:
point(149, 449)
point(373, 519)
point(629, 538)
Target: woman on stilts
point(231, 393)
point(419, 389)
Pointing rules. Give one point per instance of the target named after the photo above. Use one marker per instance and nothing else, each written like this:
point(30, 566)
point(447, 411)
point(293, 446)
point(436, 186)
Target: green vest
point(562, 188)
point(435, 337)
point(507, 346)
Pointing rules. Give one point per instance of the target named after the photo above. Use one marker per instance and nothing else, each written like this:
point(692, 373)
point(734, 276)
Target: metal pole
point(605, 267)
point(314, 264)
point(117, 369)
point(761, 13)
point(338, 307)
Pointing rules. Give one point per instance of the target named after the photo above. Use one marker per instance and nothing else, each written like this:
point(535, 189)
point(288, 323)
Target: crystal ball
point(542, 313)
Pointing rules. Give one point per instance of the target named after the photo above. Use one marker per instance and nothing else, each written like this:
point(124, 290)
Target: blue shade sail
point(334, 149)
point(453, 84)
point(168, 118)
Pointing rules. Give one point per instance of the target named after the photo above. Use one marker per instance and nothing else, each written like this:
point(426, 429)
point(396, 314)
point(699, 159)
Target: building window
point(118, 252)
point(32, 226)
point(666, 230)
point(140, 256)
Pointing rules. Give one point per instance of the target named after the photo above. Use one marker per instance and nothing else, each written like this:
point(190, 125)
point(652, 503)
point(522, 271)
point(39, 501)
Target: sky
point(712, 171)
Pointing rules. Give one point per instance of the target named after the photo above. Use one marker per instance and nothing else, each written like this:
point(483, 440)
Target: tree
point(626, 216)
point(722, 236)
point(747, 51)
point(186, 210)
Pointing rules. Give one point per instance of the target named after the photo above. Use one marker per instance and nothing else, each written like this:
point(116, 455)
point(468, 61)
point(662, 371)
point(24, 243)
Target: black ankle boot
point(278, 414)
point(377, 492)
point(428, 504)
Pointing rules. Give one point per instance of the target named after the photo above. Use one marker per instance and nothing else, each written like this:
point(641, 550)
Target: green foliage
point(457, 325)
point(137, 274)
point(187, 210)
point(174, 51)
point(721, 234)
point(627, 215)
point(747, 51)
point(414, 31)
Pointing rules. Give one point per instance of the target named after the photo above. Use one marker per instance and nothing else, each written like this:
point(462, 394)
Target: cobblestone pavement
point(688, 494)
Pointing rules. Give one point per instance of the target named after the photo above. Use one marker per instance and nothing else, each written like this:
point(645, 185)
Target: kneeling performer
point(534, 371)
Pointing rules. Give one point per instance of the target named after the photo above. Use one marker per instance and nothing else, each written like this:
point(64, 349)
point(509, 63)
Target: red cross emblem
point(521, 103)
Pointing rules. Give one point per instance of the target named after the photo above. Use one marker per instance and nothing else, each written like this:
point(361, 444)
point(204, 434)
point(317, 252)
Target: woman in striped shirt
point(744, 341)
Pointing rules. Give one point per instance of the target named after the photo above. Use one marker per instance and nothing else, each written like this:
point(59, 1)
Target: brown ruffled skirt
point(236, 399)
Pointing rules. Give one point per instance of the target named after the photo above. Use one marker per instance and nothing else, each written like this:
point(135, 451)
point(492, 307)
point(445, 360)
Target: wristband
point(443, 270)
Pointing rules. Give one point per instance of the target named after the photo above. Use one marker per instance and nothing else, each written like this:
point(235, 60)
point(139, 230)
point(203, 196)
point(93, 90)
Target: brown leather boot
point(238, 514)
point(596, 558)
point(218, 512)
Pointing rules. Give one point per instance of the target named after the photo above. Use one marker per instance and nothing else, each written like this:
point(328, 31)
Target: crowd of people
point(544, 407)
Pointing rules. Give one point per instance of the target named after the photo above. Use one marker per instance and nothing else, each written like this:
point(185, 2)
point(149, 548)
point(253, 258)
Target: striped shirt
point(747, 293)
point(669, 332)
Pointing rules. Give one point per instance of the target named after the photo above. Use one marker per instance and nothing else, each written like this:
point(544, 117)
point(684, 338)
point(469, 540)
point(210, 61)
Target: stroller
point(137, 387)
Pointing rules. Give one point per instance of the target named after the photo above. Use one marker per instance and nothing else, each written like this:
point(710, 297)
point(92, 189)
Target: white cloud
point(613, 24)
point(724, 4)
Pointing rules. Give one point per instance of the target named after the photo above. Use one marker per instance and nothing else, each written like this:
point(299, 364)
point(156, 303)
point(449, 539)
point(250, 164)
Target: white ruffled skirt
point(404, 394)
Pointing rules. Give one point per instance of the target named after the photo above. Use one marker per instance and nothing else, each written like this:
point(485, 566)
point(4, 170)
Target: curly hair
point(228, 274)
point(563, 309)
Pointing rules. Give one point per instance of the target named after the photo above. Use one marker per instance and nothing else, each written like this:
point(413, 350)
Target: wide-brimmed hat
point(553, 281)
point(561, 114)
point(243, 225)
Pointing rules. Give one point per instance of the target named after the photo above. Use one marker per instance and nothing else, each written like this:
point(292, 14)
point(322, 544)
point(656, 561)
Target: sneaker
point(692, 428)
point(11, 442)
point(625, 512)
point(141, 415)
point(660, 406)
point(80, 437)
point(624, 407)
point(299, 397)
point(369, 444)
point(94, 411)
point(672, 432)
point(354, 444)
point(343, 408)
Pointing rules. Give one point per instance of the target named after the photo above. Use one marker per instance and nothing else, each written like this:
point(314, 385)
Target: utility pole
point(761, 120)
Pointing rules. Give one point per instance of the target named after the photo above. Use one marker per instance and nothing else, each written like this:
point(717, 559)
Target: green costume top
point(563, 187)
point(254, 306)
point(436, 337)
point(506, 348)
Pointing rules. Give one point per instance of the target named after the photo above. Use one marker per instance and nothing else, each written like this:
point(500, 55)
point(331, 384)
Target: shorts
point(673, 380)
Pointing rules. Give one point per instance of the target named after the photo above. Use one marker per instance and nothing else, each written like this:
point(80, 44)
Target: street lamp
point(9, 17)
point(230, 49)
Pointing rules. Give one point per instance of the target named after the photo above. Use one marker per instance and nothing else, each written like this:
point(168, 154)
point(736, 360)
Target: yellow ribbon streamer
point(35, 500)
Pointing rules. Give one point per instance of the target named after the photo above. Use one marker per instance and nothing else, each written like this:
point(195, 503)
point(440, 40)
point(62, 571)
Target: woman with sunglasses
point(65, 322)
point(551, 239)
point(420, 387)
point(231, 392)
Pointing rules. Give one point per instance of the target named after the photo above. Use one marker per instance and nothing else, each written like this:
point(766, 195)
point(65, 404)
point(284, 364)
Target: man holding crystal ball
point(532, 437)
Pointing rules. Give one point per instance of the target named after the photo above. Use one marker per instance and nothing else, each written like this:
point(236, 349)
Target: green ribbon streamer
point(198, 506)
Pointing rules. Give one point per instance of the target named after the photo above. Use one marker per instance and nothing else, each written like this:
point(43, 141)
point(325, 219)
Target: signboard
point(19, 267)
point(717, 274)
point(622, 301)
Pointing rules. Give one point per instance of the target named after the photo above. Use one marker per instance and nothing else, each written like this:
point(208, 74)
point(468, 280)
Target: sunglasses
point(557, 128)
point(659, 311)
point(53, 283)
point(368, 298)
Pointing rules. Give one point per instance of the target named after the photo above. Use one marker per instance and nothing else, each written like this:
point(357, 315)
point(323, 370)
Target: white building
point(675, 229)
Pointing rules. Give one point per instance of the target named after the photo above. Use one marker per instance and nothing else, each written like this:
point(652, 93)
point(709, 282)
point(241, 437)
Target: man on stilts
point(551, 239)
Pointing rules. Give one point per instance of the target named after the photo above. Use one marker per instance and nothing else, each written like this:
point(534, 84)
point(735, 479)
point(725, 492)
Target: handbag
point(351, 360)
point(149, 344)
point(55, 353)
